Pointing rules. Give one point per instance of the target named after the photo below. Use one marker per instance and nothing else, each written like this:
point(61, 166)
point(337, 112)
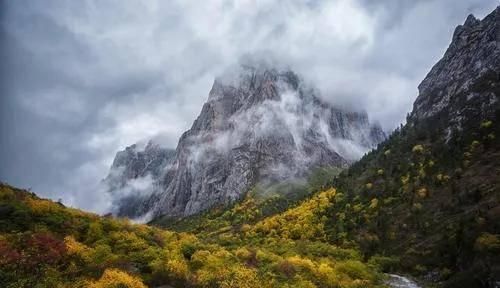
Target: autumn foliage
point(44, 244)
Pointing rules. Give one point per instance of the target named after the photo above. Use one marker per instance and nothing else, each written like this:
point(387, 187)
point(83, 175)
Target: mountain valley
point(274, 187)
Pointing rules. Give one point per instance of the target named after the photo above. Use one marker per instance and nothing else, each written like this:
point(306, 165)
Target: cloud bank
point(83, 79)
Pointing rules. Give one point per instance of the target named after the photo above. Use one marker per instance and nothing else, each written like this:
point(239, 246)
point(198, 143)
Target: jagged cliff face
point(464, 83)
point(132, 177)
point(260, 126)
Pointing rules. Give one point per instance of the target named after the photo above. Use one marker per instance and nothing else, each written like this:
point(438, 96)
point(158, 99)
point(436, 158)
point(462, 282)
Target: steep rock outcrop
point(131, 180)
point(259, 125)
point(464, 83)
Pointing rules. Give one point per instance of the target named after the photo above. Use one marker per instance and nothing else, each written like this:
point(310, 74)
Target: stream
point(396, 281)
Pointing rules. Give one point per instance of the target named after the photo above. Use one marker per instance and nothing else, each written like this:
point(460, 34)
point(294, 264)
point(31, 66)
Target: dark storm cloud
point(83, 79)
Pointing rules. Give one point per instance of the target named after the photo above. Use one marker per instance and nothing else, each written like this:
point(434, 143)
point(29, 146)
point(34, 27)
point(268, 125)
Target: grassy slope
point(44, 244)
point(259, 203)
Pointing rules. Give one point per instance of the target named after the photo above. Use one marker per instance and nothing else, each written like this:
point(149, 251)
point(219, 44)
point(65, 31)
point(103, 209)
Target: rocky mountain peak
point(260, 124)
point(247, 86)
point(471, 21)
point(465, 76)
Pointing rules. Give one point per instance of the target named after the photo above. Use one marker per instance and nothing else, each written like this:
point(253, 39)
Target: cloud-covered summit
point(83, 79)
point(259, 126)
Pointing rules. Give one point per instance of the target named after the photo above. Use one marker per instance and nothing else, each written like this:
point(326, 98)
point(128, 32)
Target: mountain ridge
point(259, 125)
point(465, 69)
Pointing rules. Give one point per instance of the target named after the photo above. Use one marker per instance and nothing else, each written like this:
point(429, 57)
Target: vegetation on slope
point(44, 244)
point(432, 200)
point(261, 202)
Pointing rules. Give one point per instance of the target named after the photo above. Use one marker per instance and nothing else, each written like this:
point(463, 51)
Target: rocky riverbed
point(396, 281)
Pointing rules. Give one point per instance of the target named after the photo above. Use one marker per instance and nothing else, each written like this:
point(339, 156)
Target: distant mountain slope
point(133, 176)
point(259, 125)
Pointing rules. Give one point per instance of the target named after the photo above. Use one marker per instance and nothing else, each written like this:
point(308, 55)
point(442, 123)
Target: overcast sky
point(81, 80)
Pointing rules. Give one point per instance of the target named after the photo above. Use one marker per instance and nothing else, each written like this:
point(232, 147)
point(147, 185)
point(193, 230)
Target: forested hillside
point(431, 192)
point(44, 244)
point(434, 204)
